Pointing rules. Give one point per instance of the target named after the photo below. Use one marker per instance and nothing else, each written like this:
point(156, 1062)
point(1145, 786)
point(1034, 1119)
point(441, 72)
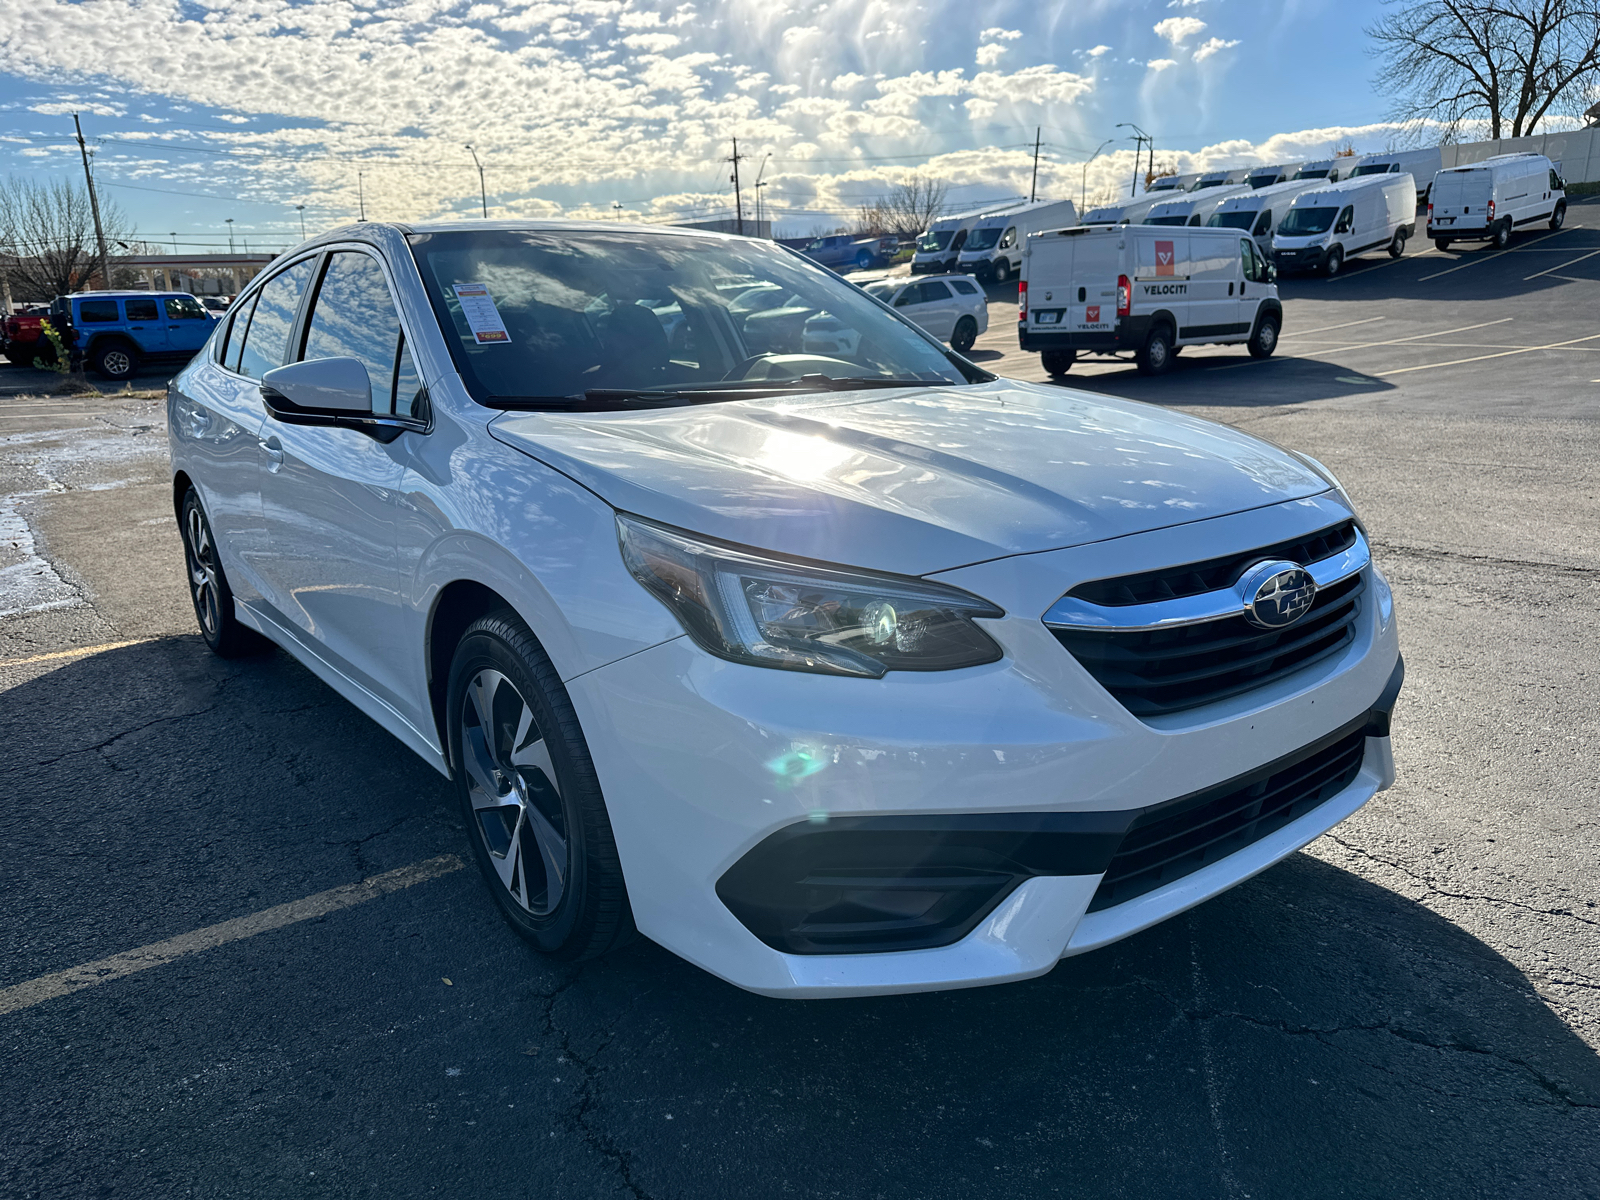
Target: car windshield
point(934, 239)
point(1302, 222)
point(557, 319)
point(1232, 220)
point(983, 239)
point(1372, 169)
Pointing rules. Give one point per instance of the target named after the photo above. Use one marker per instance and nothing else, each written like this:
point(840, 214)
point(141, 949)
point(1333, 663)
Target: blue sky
point(202, 111)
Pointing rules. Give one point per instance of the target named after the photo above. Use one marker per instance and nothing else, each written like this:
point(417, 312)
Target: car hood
point(915, 480)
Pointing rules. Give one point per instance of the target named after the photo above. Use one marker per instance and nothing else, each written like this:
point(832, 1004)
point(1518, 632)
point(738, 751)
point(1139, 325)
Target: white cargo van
point(1326, 225)
point(1112, 290)
point(1211, 179)
point(1126, 212)
point(1486, 201)
point(994, 247)
point(1261, 177)
point(1421, 165)
point(1258, 212)
point(944, 239)
point(1192, 208)
point(1327, 168)
point(1172, 183)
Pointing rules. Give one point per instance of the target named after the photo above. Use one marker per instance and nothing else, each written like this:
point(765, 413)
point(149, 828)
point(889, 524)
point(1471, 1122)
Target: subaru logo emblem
point(1276, 594)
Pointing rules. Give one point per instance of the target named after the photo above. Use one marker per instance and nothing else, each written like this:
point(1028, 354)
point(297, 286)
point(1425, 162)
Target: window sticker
point(483, 318)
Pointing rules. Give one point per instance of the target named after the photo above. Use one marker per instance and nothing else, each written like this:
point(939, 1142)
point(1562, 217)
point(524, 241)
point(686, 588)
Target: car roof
point(119, 294)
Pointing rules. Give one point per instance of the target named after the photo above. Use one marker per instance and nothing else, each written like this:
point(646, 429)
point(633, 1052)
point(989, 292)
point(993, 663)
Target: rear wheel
point(1397, 244)
point(863, 261)
point(529, 795)
point(1559, 217)
point(966, 332)
point(1334, 263)
point(1502, 235)
point(1057, 363)
point(1441, 243)
point(1264, 339)
point(116, 360)
point(1155, 357)
point(209, 590)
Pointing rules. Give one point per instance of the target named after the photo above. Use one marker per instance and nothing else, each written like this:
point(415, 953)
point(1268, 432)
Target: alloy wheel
point(116, 363)
point(203, 582)
point(515, 797)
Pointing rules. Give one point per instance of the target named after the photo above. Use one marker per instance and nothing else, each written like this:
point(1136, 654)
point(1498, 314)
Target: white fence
point(1577, 151)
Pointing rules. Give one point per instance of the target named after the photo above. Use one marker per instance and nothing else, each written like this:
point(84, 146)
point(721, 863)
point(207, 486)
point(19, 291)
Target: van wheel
point(1332, 265)
point(1441, 243)
point(529, 796)
point(1264, 340)
point(1058, 362)
point(1559, 217)
point(1397, 244)
point(115, 361)
point(1155, 357)
point(1502, 235)
point(966, 332)
point(1002, 271)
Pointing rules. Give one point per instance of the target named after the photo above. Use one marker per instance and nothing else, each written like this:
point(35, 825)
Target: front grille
point(1157, 671)
point(1213, 574)
point(1171, 840)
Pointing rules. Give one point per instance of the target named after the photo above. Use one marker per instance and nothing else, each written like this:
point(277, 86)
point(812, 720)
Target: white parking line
point(64, 983)
point(1329, 328)
point(1417, 336)
point(1560, 266)
point(1481, 357)
point(1483, 256)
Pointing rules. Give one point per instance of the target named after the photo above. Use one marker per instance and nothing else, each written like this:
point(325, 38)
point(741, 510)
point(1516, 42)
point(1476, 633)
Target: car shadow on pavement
point(1235, 381)
point(1307, 1034)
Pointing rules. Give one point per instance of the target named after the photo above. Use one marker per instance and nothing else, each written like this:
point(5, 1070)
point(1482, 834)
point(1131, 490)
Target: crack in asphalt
point(363, 867)
point(1436, 890)
point(1483, 560)
point(117, 737)
point(597, 1140)
point(1322, 1034)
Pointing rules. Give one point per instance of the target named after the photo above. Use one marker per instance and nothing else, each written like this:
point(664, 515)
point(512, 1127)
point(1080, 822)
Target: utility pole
point(1033, 188)
point(1140, 140)
point(738, 200)
point(301, 209)
point(94, 204)
point(483, 191)
point(759, 186)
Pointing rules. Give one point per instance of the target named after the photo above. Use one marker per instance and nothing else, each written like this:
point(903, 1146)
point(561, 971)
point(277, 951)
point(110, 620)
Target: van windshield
point(1205, 183)
point(1303, 222)
point(1232, 220)
point(934, 240)
point(1373, 169)
point(983, 239)
point(1166, 220)
point(1261, 181)
point(1323, 174)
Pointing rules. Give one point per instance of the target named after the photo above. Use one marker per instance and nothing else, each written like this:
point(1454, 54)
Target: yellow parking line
point(1561, 266)
point(80, 652)
point(1481, 357)
point(75, 979)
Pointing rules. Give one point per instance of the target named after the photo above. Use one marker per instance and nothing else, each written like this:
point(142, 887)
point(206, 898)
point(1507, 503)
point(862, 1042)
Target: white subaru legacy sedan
point(834, 673)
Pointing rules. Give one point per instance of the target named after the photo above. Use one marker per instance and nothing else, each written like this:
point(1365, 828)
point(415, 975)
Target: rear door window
point(140, 310)
point(934, 290)
point(965, 286)
point(266, 341)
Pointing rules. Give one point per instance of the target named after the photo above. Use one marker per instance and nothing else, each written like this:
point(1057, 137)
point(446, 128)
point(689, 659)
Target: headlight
point(771, 613)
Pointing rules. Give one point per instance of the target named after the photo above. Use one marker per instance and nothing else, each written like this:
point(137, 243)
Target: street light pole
point(1033, 188)
point(1083, 187)
point(301, 209)
point(229, 221)
point(361, 193)
point(759, 186)
point(174, 236)
point(483, 190)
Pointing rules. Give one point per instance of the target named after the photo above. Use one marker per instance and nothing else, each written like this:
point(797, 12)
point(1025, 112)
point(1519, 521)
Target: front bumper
point(703, 761)
point(1304, 258)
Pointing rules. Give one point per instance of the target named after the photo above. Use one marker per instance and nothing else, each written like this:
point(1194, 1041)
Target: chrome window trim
point(1072, 613)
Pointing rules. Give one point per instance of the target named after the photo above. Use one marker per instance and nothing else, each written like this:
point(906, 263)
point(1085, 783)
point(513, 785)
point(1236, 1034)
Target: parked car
point(1326, 225)
point(1145, 290)
point(994, 247)
point(841, 251)
point(951, 307)
point(1421, 165)
point(1486, 201)
point(114, 332)
point(24, 338)
point(217, 304)
point(832, 674)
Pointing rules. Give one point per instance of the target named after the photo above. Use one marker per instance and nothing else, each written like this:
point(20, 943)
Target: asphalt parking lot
point(1409, 1008)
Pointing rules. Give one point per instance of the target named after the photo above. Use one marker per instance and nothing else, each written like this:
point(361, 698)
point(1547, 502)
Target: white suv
point(834, 674)
point(951, 307)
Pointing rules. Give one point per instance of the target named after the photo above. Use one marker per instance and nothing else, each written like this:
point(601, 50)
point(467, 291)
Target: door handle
point(274, 453)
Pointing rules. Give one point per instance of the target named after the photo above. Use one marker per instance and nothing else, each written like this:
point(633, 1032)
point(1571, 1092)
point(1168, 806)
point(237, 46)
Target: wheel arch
point(1163, 316)
point(181, 483)
point(458, 604)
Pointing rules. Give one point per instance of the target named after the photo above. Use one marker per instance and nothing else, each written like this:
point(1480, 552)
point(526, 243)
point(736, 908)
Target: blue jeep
point(114, 332)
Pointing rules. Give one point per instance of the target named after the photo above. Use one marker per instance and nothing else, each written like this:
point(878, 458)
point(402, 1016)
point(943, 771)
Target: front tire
point(966, 332)
point(1502, 235)
point(1558, 218)
point(1334, 263)
point(529, 795)
point(209, 590)
point(1264, 339)
point(1002, 271)
point(1057, 363)
point(1155, 357)
point(116, 361)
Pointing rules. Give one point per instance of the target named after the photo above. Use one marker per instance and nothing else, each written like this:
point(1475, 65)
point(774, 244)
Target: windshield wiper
point(613, 399)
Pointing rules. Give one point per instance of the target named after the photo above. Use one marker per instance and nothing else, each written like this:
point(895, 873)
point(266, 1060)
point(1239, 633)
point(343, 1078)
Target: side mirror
point(330, 392)
point(1272, 273)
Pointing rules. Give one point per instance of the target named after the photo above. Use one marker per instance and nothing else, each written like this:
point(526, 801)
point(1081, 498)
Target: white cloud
point(1178, 29)
point(995, 33)
point(979, 110)
point(1161, 64)
point(653, 43)
point(1097, 51)
point(847, 82)
point(1210, 47)
point(990, 53)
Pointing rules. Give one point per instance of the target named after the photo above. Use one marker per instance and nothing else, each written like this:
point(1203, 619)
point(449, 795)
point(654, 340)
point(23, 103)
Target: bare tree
point(47, 242)
point(905, 210)
point(1501, 63)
